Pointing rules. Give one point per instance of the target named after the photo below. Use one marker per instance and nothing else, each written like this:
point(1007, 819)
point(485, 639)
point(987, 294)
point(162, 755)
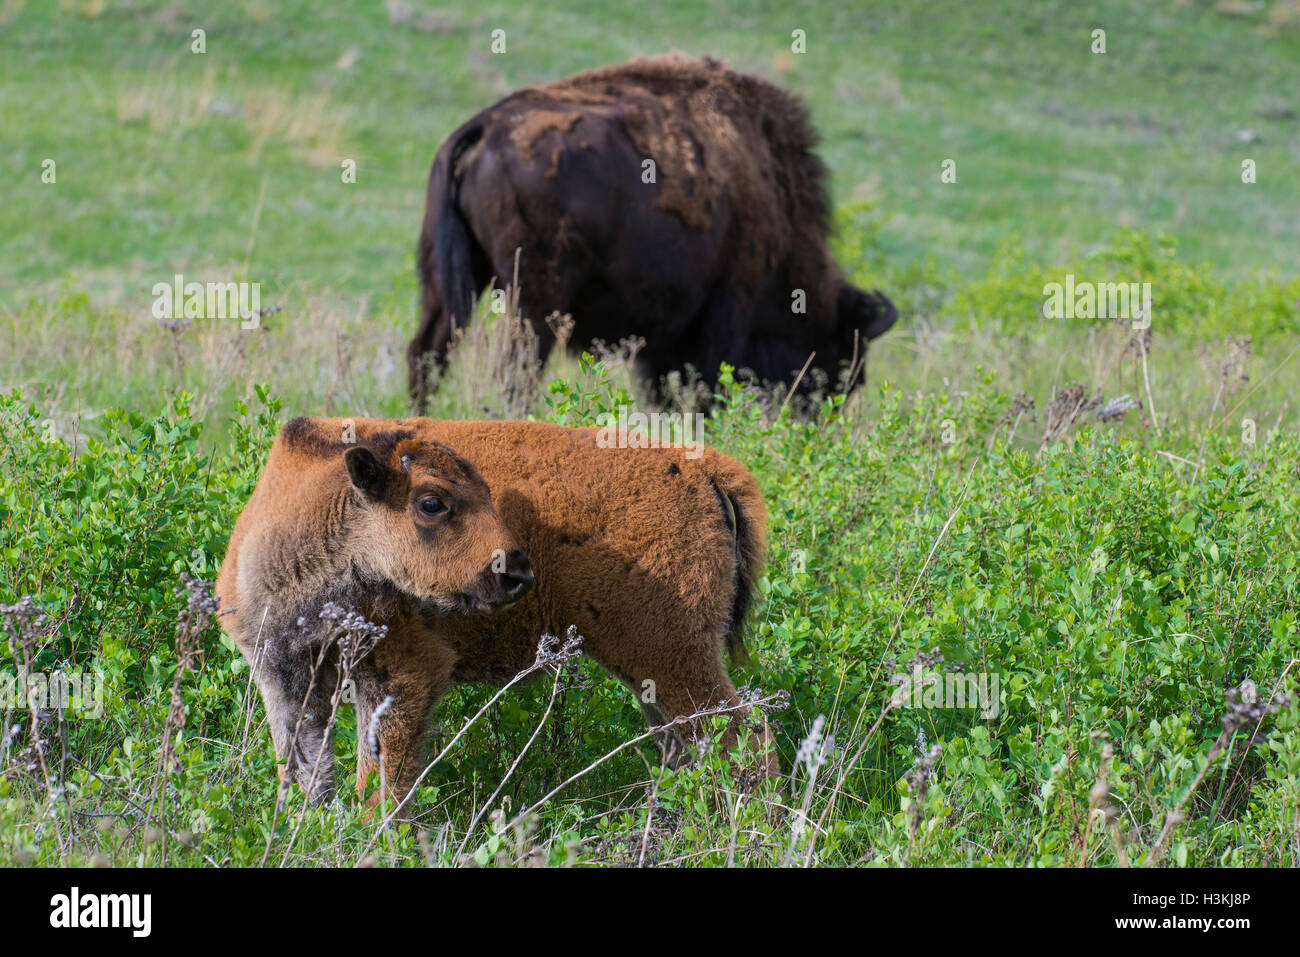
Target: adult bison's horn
point(870, 314)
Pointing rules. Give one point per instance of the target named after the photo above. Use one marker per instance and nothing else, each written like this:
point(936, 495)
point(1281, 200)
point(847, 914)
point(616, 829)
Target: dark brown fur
point(702, 263)
point(651, 554)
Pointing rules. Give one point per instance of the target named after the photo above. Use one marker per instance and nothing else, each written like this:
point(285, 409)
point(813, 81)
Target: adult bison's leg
point(549, 277)
point(429, 346)
point(722, 335)
point(542, 330)
point(396, 690)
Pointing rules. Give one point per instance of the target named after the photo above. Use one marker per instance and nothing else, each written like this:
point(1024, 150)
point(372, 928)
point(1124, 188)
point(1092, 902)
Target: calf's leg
point(297, 687)
point(678, 684)
point(414, 678)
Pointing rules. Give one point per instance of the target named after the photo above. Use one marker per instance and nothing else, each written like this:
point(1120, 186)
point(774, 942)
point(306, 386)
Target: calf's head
point(425, 522)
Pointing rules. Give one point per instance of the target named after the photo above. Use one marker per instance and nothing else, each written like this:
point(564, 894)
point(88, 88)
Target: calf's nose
point(517, 579)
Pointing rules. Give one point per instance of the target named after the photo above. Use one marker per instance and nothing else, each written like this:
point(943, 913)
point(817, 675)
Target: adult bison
point(671, 198)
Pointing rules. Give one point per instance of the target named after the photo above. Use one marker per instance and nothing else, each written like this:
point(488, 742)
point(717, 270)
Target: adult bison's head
point(824, 351)
point(428, 526)
point(863, 316)
point(860, 316)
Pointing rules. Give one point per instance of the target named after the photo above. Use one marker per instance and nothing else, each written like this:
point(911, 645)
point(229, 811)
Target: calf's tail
point(743, 510)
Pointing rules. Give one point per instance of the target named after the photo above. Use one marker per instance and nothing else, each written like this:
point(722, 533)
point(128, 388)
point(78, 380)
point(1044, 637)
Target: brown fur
point(702, 263)
point(701, 121)
point(652, 555)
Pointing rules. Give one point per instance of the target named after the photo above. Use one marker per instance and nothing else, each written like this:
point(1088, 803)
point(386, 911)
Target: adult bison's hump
point(718, 150)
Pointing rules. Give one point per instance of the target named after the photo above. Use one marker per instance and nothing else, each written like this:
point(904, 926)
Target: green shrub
point(1188, 299)
point(1115, 599)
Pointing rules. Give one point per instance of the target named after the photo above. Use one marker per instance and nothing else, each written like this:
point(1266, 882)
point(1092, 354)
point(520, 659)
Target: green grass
point(229, 162)
point(1114, 595)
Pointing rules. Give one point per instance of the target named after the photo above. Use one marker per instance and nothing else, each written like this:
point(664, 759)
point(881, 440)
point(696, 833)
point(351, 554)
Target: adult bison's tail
point(452, 245)
point(444, 259)
point(746, 517)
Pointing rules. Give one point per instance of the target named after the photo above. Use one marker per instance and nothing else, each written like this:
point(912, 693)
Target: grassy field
point(1102, 520)
point(229, 161)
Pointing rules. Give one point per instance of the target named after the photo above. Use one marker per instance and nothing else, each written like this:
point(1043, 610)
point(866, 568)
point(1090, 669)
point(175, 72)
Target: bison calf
point(469, 540)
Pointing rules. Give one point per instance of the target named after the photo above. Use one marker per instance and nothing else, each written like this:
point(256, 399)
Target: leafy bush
point(1188, 299)
point(1115, 599)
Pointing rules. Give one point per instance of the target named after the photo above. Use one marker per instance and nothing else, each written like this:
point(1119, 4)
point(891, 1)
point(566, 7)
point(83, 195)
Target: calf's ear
point(365, 471)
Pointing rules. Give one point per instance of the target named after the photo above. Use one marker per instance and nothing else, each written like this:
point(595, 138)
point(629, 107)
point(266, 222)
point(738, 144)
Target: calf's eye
point(432, 506)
